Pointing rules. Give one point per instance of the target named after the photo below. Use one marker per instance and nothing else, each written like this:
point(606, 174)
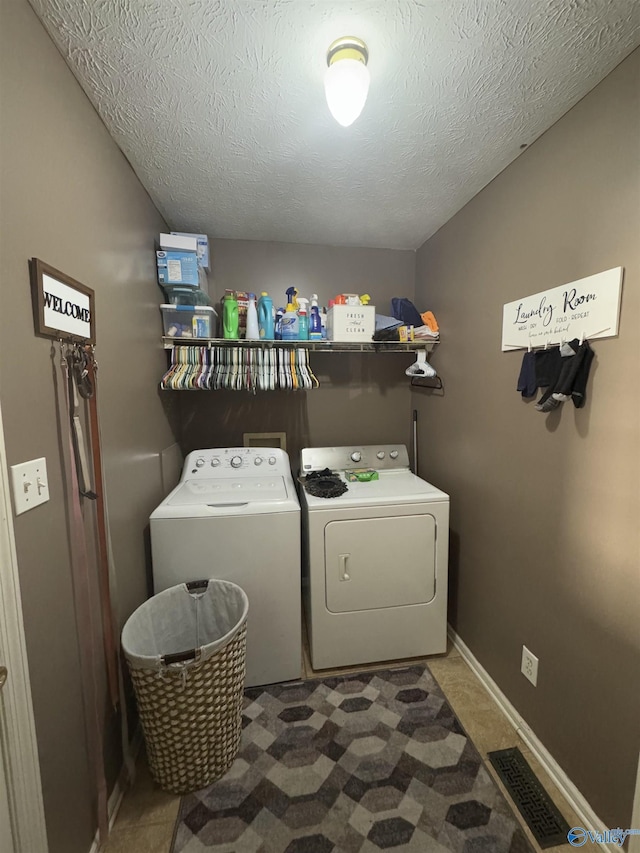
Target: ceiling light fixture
point(346, 82)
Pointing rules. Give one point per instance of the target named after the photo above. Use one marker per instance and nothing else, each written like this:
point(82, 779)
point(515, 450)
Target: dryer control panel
point(381, 457)
point(241, 462)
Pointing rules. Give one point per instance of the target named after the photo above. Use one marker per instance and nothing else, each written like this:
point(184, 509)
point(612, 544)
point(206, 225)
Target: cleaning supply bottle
point(303, 320)
point(323, 323)
point(289, 321)
point(253, 331)
point(265, 317)
point(315, 322)
point(277, 328)
point(230, 317)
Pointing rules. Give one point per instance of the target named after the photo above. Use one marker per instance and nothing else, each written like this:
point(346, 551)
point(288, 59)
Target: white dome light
point(346, 81)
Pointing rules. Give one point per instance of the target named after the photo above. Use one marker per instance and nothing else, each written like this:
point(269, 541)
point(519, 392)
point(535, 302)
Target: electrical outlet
point(529, 666)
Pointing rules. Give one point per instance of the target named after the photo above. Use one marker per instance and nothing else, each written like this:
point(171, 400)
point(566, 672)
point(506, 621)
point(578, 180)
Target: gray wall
point(363, 398)
point(70, 198)
point(545, 508)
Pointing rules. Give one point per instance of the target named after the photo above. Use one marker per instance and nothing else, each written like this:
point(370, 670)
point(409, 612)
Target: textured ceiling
point(219, 104)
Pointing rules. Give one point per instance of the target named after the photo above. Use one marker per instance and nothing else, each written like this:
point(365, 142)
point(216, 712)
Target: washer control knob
point(215, 462)
point(257, 460)
point(380, 454)
point(394, 454)
point(199, 462)
point(356, 456)
point(272, 460)
point(236, 461)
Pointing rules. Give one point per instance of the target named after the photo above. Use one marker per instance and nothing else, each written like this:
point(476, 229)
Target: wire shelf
point(314, 346)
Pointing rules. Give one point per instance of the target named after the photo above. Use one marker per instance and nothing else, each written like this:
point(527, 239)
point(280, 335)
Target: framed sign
point(62, 307)
point(588, 308)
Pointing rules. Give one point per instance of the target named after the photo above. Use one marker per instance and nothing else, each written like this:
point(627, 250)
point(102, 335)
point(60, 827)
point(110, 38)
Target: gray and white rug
point(366, 762)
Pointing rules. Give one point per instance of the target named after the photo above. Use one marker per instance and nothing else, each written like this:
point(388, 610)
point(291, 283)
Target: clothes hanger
point(421, 366)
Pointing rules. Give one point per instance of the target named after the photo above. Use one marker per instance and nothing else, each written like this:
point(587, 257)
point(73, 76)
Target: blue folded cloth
point(384, 322)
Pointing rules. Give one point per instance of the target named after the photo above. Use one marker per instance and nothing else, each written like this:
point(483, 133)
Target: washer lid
point(232, 490)
point(211, 497)
point(392, 487)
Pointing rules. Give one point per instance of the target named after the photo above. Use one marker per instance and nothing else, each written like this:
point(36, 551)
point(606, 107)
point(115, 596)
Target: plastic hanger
point(421, 366)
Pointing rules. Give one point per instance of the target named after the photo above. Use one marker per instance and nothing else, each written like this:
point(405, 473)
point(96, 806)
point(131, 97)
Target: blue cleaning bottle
point(265, 317)
point(303, 320)
point(315, 322)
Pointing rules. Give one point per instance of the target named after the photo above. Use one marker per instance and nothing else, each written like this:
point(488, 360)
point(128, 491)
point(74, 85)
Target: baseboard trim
point(589, 820)
point(119, 789)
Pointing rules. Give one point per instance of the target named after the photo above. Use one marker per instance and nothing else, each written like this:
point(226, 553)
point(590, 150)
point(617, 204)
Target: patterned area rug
point(366, 762)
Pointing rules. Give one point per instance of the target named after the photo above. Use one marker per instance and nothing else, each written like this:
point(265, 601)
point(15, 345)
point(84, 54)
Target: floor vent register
point(534, 804)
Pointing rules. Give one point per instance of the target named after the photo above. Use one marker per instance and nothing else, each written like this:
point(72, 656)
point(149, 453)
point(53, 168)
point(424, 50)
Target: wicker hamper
point(185, 648)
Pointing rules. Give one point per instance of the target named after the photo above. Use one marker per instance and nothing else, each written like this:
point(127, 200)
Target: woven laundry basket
point(185, 649)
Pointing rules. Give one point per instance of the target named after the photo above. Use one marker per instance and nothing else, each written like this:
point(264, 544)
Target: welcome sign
point(63, 308)
point(587, 308)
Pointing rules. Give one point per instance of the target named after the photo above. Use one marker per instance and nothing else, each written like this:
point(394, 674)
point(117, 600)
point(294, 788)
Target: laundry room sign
point(62, 307)
point(587, 308)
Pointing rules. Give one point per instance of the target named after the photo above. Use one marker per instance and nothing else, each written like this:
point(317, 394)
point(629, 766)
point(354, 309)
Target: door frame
point(18, 733)
point(634, 841)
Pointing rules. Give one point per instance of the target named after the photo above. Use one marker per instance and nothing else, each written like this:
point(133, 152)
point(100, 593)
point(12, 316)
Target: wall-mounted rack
point(314, 346)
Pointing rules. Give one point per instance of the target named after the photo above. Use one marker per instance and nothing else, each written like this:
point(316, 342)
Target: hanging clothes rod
point(211, 368)
point(433, 382)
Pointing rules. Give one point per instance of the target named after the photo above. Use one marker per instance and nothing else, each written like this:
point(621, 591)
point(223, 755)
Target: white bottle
point(253, 329)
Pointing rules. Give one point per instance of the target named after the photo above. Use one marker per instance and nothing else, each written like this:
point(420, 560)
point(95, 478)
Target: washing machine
point(375, 561)
point(235, 515)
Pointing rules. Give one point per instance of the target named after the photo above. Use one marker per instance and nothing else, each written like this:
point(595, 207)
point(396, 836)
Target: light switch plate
point(30, 484)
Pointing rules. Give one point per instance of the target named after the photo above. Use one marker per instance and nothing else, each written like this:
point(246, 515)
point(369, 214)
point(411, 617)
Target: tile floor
point(147, 815)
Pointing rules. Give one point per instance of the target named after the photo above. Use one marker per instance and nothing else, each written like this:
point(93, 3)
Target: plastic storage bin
point(185, 649)
point(351, 323)
point(188, 321)
point(178, 295)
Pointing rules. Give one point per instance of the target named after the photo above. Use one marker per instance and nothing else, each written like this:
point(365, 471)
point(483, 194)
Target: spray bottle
point(253, 331)
point(303, 320)
point(289, 321)
point(315, 322)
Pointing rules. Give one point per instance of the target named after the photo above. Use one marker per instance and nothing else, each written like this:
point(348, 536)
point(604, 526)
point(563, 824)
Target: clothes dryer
point(235, 515)
point(375, 559)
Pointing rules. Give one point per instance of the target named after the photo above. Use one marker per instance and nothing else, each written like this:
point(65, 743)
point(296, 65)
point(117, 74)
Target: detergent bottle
point(303, 320)
point(230, 316)
point(315, 321)
point(253, 332)
point(289, 321)
point(265, 317)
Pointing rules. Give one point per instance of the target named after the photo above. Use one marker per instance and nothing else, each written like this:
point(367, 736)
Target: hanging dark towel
point(571, 382)
point(527, 384)
point(548, 364)
point(579, 389)
point(565, 370)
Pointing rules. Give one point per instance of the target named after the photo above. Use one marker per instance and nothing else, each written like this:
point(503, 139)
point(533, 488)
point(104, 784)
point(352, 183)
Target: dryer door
point(372, 563)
